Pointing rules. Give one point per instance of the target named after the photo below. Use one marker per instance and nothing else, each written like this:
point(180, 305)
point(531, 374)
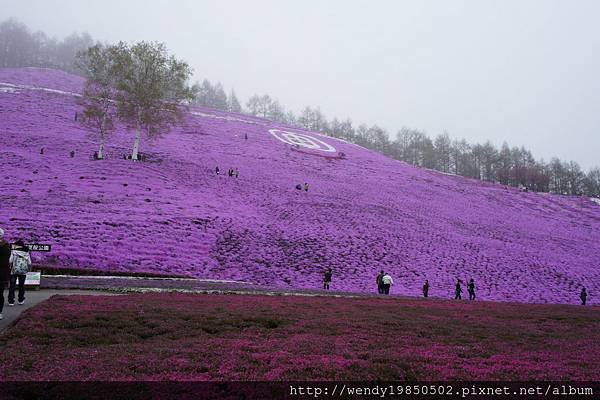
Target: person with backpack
point(327, 279)
point(4, 267)
point(379, 283)
point(582, 296)
point(386, 282)
point(471, 289)
point(458, 290)
point(20, 262)
point(426, 288)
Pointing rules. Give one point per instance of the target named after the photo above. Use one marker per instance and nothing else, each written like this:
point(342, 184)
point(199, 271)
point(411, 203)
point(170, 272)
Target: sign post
point(33, 279)
point(45, 248)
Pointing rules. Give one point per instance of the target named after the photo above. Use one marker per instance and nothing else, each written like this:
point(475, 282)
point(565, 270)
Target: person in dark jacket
point(458, 290)
point(471, 289)
point(426, 288)
point(327, 279)
point(4, 267)
point(583, 296)
point(379, 282)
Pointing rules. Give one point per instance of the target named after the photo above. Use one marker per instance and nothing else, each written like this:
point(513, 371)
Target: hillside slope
point(363, 212)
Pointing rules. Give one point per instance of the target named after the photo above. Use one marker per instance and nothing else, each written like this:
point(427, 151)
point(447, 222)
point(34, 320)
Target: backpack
point(20, 265)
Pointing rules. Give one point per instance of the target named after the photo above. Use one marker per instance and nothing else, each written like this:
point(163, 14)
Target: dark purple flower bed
point(173, 216)
point(213, 337)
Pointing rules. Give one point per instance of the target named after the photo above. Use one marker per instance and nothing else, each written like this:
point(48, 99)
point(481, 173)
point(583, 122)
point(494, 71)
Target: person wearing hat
point(4, 267)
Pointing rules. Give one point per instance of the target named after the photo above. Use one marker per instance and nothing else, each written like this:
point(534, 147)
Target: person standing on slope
point(582, 296)
point(327, 279)
point(458, 290)
point(20, 260)
point(386, 282)
point(426, 288)
point(379, 283)
point(4, 267)
point(471, 289)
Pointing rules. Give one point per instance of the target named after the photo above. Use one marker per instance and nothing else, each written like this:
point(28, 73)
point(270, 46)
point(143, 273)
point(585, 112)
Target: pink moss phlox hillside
point(363, 212)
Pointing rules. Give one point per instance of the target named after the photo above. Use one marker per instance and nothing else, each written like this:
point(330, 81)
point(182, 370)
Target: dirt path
point(34, 297)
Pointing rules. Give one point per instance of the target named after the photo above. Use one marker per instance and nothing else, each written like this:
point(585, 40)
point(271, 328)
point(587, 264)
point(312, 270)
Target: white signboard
point(33, 278)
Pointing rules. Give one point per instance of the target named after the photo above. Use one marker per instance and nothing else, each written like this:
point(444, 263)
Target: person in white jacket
point(386, 282)
point(20, 262)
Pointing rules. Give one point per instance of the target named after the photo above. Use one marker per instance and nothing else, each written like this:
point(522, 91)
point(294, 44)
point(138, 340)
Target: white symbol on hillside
point(302, 140)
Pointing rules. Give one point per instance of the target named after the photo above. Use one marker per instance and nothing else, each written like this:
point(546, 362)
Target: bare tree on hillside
point(259, 105)
point(443, 146)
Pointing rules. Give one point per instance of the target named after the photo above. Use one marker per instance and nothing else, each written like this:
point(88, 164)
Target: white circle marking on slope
point(302, 140)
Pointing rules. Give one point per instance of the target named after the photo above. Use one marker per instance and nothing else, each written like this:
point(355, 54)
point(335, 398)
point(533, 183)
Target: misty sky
point(527, 72)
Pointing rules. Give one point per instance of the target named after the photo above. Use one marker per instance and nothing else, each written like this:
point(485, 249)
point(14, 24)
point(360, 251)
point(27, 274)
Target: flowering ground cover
point(212, 337)
point(172, 215)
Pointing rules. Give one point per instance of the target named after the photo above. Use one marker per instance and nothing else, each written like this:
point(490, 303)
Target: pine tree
point(233, 103)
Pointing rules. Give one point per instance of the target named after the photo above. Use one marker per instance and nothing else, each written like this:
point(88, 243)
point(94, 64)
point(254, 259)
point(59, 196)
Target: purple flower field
point(364, 212)
point(179, 337)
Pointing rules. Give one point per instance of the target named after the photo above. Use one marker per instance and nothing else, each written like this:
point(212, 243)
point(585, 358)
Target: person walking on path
point(426, 288)
point(458, 291)
point(20, 262)
point(471, 289)
point(386, 282)
point(582, 296)
point(305, 187)
point(379, 283)
point(327, 279)
point(4, 268)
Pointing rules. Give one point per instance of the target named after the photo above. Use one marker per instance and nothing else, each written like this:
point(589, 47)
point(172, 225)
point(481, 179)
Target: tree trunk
point(136, 143)
point(101, 150)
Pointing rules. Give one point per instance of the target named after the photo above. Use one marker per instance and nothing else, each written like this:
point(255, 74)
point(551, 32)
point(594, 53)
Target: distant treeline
point(507, 165)
point(19, 47)
point(511, 166)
